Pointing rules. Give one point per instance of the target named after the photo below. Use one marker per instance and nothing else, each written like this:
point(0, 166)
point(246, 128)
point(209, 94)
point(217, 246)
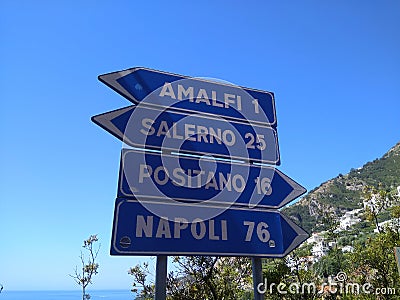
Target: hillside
point(345, 192)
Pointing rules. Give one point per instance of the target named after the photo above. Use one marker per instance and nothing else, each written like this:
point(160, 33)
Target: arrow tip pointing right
point(297, 191)
point(301, 235)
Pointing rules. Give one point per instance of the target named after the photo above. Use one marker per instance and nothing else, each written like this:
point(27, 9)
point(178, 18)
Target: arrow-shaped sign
point(152, 128)
point(193, 95)
point(183, 230)
point(149, 175)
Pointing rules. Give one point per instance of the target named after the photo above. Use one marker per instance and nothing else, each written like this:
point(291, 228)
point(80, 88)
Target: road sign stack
point(201, 177)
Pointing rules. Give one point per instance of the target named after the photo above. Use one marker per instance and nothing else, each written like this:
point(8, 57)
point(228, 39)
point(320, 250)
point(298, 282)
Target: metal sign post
point(161, 278)
point(256, 264)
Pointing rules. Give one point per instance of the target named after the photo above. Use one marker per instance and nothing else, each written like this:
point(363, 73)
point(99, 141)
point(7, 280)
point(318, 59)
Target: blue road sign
point(146, 127)
point(193, 95)
point(232, 232)
point(149, 175)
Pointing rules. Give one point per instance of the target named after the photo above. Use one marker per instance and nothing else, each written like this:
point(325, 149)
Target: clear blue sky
point(334, 67)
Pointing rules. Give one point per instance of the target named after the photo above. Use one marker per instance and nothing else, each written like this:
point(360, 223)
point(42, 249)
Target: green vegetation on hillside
point(345, 192)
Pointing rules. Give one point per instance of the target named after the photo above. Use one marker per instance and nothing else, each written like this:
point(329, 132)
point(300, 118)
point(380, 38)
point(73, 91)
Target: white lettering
point(256, 109)
point(217, 135)
point(211, 181)
point(167, 90)
point(198, 228)
point(189, 177)
point(211, 232)
point(232, 140)
point(189, 132)
point(193, 229)
point(147, 123)
point(175, 133)
point(198, 173)
point(179, 224)
point(194, 133)
point(224, 230)
point(163, 129)
point(179, 179)
point(143, 174)
point(163, 229)
point(250, 230)
point(188, 94)
point(214, 100)
point(157, 177)
point(225, 183)
point(143, 226)
point(281, 286)
point(202, 133)
point(229, 99)
point(200, 179)
point(203, 97)
point(262, 287)
point(239, 102)
point(238, 188)
point(294, 288)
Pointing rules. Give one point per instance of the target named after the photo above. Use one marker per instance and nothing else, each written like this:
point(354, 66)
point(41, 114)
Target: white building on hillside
point(315, 237)
point(349, 219)
point(320, 249)
point(303, 262)
point(348, 248)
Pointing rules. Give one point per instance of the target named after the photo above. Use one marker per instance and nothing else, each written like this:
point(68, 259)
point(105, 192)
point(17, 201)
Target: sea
point(67, 295)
